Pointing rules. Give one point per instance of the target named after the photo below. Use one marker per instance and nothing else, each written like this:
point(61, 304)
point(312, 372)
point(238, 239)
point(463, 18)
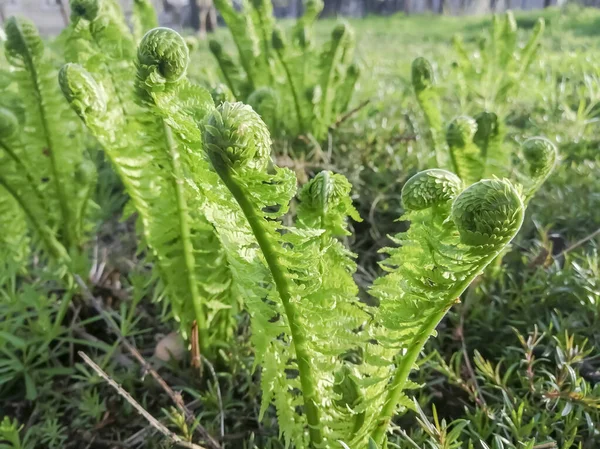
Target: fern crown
point(81, 90)
point(235, 136)
point(163, 56)
point(489, 212)
point(430, 188)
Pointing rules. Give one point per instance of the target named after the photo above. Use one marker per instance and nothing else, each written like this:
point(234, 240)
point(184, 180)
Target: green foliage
point(497, 72)
point(312, 87)
point(474, 148)
point(138, 113)
point(143, 18)
point(41, 143)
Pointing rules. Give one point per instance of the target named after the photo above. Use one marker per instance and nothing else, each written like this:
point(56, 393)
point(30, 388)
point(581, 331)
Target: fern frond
point(14, 240)
point(231, 72)
point(334, 61)
point(155, 149)
point(51, 134)
point(540, 157)
point(245, 38)
point(309, 273)
point(452, 237)
point(489, 138)
point(302, 31)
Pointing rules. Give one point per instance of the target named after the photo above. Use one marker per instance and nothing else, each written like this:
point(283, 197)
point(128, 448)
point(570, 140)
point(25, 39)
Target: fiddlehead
point(163, 58)
point(540, 157)
point(488, 214)
point(325, 203)
point(81, 91)
point(238, 145)
point(430, 188)
point(464, 154)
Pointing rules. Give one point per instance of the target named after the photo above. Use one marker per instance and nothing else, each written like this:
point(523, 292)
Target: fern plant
point(212, 203)
point(138, 112)
point(344, 364)
point(46, 169)
point(474, 147)
point(288, 78)
point(496, 71)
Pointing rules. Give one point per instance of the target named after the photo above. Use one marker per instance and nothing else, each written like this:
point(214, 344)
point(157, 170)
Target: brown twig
point(151, 419)
point(341, 119)
point(578, 243)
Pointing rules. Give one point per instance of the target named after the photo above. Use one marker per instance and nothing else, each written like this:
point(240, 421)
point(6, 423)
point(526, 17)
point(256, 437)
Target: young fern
point(344, 360)
point(147, 136)
point(313, 87)
point(453, 236)
point(423, 81)
point(474, 148)
point(498, 70)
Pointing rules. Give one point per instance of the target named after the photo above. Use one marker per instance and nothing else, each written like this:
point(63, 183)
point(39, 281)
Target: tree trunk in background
point(547, 3)
point(194, 15)
point(493, 5)
point(63, 11)
point(441, 6)
point(207, 17)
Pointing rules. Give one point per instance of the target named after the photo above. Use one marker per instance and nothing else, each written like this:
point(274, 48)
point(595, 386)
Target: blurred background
point(52, 15)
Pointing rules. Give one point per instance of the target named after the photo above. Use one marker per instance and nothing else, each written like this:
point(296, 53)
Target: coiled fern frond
point(453, 236)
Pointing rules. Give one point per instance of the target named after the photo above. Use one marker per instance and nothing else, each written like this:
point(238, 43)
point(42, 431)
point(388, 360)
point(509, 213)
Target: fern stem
point(184, 229)
point(27, 172)
point(402, 373)
point(454, 162)
point(293, 90)
point(309, 390)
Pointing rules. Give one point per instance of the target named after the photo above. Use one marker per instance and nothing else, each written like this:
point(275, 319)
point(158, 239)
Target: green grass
point(481, 375)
